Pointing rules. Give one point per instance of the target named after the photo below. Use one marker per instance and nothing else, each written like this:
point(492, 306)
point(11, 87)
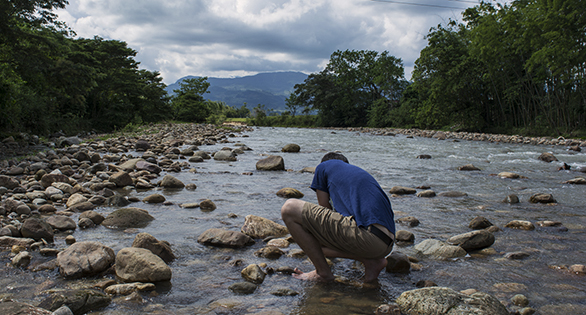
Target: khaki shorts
point(341, 233)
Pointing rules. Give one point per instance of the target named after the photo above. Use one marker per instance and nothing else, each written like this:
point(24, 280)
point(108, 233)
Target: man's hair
point(334, 156)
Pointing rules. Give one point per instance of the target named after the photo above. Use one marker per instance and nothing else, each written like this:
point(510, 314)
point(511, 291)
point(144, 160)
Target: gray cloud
point(238, 37)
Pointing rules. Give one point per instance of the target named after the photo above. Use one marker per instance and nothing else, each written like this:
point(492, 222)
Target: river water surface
point(202, 275)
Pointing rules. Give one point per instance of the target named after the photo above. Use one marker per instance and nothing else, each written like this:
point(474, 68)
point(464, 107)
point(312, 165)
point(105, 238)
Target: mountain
point(269, 89)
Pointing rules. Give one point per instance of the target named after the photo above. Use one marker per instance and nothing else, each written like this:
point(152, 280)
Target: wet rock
point(224, 238)
point(516, 255)
point(426, 194)
point(271, 163)
point(75, 199)
point(278, 242)
point(128, 218)
point(61, 222)
point(171, 182)
point(84, 259)
point(474, 240)
point(37, 229)
point(452, 194)
point(388, 309)
point(510, 175)
point(207, 205)
point(424, 156)
point(128, 288)
point(520, 225)
point(468, 167)
point(398, 263)
point(9, 241)
point(22, 259)
point(399, 190)
point(439, 300)
point(403, 237)
point(49, 252)
point(154, 198)
point(578, 269)
point(121, 179)
point(12, 307)
point(244, 287)
point(511, 199)
point(259, 227)
point(439, 249)
point(141, 265)
point(269, 252)
point(479, 223)
point(159, 248)
point(520, 300)
point(291, 148)
point(408, 221)
point(225, 155)
point(288, 192)
point(308, 169)
point(92, 215)
point(549, 223)
point(547, 157)
point(576, 181)
point(46, 209)
point(117, 201)
point(147, 166)
point(80, 301)
point(284, 292)
point(542, 198)
point(253, 273)
point(196, 159)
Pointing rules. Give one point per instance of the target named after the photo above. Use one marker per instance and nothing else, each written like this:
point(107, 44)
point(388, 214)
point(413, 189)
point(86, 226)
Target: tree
point(188, 103)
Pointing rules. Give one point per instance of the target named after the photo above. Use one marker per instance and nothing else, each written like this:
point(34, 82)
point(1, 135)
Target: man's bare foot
point(372, 269)
point(311, 276)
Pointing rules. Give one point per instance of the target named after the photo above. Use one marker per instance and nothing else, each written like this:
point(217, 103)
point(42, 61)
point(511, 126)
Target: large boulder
point(438, 249)
point(37, 229)
point(445, 301)
point(85, 259)
point(474, 240)
point(224, 238)
point(259, 227)
point(139, 264)
point(80, 301)
point(128, 218)
point(271, 163)
point(159, 248)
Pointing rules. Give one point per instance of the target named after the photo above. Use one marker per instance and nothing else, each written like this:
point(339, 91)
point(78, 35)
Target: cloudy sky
point(228, 38)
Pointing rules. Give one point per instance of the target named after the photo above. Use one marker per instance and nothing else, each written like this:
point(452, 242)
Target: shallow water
point(201, 275)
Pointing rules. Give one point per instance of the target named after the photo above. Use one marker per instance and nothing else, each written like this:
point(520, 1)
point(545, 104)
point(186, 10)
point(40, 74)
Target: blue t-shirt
point(354, 192)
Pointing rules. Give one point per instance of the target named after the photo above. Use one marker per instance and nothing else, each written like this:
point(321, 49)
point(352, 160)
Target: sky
point(233, 38)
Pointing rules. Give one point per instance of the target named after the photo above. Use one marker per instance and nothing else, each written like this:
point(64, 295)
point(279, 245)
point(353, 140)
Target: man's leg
point(291, 212)
point(372, 267)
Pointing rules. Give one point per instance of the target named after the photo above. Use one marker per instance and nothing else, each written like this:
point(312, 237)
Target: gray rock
point(159, 248)
point(408, 221)
point(399, 190)
point(271, 163)
point(225, 155)
point(516, 255)
point(154, 198)
point(171, 182)
point(474, 240)
point(291, 147)
point(511, 199)
point(479, 223)
point(398, 263)
point(445, 301)
point(439, 249)
point(85, 259)
point(542, 198)
point(243, 287)
point(37, 229)
point(426, 194)
point(468, 167)
point(224, 238)
point(121, 179)
point(9, 241)
point(139, 264)
point(61, 222)
point(146, 166)
point(259, 227)
point(12, 307)
point(403, 236)
point(128, 218)
point(547, 157)
point(80, 301)
point(8, 182)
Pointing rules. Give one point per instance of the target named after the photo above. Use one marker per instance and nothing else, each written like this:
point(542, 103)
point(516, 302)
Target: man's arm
point(323, 198)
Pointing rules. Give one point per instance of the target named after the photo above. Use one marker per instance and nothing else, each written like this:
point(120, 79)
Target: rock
point(452, 194)
point(479, 223)
point(403, 236)
point(61, 222)
point(290, 193)
point(154, 198)
point(308, 169)
point(139, 264)
point(75, 199)
point(171, 182)
point(269, 252)
point(92, 215)
point(284, 292)
point(426, 194)
point(128, 218)
point(159, 248)
point(146, 166)
point(70, 240)
point(578, 269)
point(271, 163)
point(64, 187)
point(439, 249)
point(547, 157)
point(508, 175)
point(129, 165)
point(549, 223)
point(17, 308)
point(278, 242)
point(516, 255)
point(520, 300)
point(37, 229)
point(22, 259)
point(474, 240)
point(9, 241)
point(425, 284)
point(121, 179)
point(117, 201)
point(84, 259)
point(439, 300)
point(45, 209)
point(224, 238)
point(408, 221)
point(399, 190)
point(80, 301)
point(244, 287)
point(128, 288)
point(542, 198)
point(440, 135)
point(253, 273)
point(388, 309)
point(196, 159)
point(8, 182)
point(49, 179)
point(521, 225)
point(225, 155)
point(511, 199)
point(291, 148)
point(207, 205)
point(142, 145)
point(23, 209)
point(468, 167)
point(424, 156)
point(576, 181)
point(398, 263)
point(258, 227)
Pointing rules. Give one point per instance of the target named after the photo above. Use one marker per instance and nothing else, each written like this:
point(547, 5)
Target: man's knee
point(292, 208)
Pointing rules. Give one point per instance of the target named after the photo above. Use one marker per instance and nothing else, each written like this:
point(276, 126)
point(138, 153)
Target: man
point(359, 226)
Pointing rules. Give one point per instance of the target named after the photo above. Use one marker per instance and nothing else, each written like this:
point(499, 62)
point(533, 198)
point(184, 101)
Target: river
point(201, 274)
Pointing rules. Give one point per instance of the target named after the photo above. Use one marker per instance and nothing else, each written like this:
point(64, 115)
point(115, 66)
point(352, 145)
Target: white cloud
point(226, 38)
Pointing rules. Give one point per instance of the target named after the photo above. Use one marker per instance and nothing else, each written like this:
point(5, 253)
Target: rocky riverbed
point(80, 178)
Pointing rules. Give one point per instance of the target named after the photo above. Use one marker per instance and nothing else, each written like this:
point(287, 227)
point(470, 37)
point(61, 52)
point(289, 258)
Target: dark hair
point(334, 156)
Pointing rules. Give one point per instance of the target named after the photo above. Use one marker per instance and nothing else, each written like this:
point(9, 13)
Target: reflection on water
point(201, 275)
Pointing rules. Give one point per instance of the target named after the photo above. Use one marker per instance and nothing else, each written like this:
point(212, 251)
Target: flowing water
point(202, 275)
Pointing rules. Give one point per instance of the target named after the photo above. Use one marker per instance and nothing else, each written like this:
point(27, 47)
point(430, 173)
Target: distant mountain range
point(269, 89)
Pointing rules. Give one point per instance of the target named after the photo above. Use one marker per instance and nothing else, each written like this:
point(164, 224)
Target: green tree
point(188, 103)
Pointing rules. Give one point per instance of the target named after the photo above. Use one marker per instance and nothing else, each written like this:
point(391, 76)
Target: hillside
point(269, 89)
